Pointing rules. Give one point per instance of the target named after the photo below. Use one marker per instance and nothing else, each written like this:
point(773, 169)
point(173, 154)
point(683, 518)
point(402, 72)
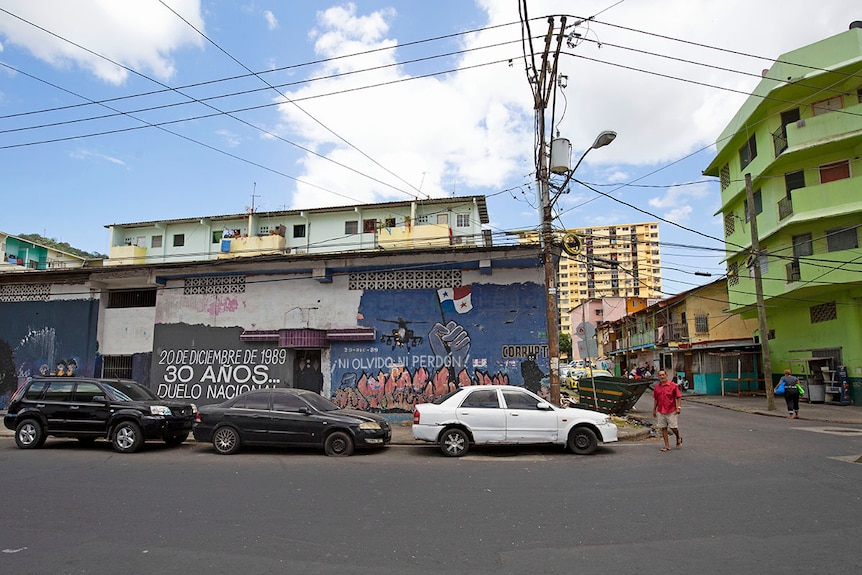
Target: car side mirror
point(100, 399)
point(305, 410)
point(543, 405)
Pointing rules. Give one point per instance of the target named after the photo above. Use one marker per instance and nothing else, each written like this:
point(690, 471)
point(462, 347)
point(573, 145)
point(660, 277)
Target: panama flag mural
point(455, 299)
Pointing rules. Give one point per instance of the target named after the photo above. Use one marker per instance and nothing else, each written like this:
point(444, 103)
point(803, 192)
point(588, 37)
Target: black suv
point(119, 410)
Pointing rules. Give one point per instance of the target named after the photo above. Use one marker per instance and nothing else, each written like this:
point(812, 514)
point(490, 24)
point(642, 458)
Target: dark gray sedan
point(289, 417)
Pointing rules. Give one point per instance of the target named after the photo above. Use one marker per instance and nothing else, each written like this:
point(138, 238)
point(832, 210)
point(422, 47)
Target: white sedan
point(502, 414)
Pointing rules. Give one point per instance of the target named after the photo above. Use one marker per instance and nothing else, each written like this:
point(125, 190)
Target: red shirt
point(664, 395)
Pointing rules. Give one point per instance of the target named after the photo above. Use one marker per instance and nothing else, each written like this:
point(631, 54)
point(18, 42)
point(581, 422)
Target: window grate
point(824, 312)
point(214, 285)
point(117, 366)
point(409, 279)
point(132, 298)
point(25, 292)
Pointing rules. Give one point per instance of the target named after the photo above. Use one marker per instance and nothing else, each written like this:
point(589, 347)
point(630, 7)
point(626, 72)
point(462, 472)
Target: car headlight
point(160, 410)
point(369, 425)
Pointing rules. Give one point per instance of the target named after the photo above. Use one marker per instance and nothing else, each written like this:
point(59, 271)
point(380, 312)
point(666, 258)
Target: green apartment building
point(799, 136)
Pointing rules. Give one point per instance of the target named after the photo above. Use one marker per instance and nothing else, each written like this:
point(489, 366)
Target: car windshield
point(319, 403)
point(128, 391)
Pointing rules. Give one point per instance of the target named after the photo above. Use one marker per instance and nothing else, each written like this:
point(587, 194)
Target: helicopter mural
point(401, 335)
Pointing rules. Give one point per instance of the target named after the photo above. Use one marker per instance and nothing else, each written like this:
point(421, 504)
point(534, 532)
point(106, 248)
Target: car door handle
point(514, 414)
point(74, 406)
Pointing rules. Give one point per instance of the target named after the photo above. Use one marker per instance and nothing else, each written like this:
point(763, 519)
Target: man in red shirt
point(667, 401)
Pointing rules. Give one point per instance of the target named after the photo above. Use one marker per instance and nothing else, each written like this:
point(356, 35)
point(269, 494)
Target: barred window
point(132, 298)
point(701, 323)
point(842, 239)
point(117, 366)
point(351, 227)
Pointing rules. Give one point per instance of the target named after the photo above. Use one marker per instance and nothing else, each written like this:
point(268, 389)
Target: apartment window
point(351, 227)
point(179, 240)
point(131, 298)
point(369, 226)
point(389, 223)
point(758, 205)
point(794, 181)
point(443, 219)
point(747, 152)
point(299, 230)
point(802, 246)
point(826, 106)
point(834, 171)
point(117, 366)
point(763, 261)
point(463, 221)
point(842, 239)
point(859, 95)
point(156, 242)
point(701, 323)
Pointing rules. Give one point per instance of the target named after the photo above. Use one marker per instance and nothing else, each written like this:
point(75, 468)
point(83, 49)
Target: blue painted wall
point(55, 337)
point(427, 344)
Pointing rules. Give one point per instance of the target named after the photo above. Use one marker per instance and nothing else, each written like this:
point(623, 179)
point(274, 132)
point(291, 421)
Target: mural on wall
point(55, 338)
point(212, 364)
point(431, 341)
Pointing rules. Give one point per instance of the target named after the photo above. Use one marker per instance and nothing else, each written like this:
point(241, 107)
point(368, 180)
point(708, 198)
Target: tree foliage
point(62, 246)
point(566, 344)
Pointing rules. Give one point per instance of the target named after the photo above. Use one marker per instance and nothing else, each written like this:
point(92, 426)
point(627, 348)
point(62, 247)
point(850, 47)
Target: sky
point(141, 110)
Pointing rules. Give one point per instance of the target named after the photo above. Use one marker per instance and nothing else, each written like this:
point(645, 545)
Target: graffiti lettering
point(239, 373)
point(525, 351)
point(180, 391)
point(230, 390)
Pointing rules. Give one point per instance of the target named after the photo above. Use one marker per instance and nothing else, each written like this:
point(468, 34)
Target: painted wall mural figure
point(393, 378)
point(532, 374)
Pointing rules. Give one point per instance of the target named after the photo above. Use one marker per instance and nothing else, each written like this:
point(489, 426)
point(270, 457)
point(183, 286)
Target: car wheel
point(338, 444)
point(226, 440)
point(454, 442)
point(29, 434)
point(175, 440)
point(128, 437)
point(583, 441)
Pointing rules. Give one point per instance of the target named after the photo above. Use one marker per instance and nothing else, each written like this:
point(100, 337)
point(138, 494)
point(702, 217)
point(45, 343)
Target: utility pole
point(545, 83)
point(758, 290)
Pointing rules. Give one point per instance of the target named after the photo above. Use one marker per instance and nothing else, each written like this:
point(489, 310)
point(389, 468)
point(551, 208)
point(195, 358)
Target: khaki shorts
point(663, 420)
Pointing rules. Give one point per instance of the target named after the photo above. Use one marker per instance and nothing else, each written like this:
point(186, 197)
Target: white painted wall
point(124, 331)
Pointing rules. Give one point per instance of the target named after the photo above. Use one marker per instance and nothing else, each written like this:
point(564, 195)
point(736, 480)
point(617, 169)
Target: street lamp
point(603, 139)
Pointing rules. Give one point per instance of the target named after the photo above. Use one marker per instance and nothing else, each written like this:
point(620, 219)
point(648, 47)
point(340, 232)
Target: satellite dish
point(572, 244)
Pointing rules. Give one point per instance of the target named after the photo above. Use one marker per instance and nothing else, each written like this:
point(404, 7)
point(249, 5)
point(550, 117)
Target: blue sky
point(387, 101)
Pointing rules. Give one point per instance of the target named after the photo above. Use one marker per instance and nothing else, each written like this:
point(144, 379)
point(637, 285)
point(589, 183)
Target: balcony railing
point(779, 140)
point(793, 272)
point(785, 207)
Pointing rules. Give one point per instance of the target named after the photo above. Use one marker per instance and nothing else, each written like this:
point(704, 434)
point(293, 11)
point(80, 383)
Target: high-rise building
point(621, 260)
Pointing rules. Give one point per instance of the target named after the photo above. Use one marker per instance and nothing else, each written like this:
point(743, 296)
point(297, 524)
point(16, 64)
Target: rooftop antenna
point(253, 196)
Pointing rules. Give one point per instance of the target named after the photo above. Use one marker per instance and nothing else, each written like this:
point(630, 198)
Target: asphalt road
point(745, 494)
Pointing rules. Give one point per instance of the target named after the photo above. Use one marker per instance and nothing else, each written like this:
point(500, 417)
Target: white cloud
point(90, 155)
point(230, 139)
point(271, 20)
point(473, 130)
point(140, 34)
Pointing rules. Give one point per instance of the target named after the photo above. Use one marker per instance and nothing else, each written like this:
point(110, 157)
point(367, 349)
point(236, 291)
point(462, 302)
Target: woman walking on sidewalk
point(791, 393)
